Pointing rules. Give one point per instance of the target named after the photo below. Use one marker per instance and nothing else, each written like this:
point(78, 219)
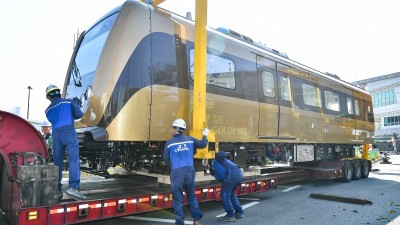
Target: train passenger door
point(268, 125)
point(350, 115)
point(359, 121)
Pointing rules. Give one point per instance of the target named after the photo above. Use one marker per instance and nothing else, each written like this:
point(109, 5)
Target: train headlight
point(88, 92)
point(83, 98)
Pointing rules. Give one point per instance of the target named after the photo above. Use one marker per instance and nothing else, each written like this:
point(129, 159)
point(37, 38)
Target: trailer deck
point(132, 194)
point(95, 187)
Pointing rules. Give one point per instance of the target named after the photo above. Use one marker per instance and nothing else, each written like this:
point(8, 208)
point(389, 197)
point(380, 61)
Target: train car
point(132, 75)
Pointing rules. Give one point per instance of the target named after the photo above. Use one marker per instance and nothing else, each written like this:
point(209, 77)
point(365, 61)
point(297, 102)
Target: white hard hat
point(45, 124)
point(179, 124)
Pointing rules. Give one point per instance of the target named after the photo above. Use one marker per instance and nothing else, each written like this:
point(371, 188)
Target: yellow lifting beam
point(365, 151)
point(199, 89)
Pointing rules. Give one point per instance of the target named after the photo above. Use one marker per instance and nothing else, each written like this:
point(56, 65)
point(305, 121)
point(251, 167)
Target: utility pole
point(29, 96)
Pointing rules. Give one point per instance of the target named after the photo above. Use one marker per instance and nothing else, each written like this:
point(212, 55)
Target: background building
point(385, 91)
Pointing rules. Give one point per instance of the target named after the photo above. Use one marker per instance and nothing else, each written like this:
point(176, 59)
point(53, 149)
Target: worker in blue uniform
point(48, 138)
point(231, 176)
point(61, 113)
point(178, 153)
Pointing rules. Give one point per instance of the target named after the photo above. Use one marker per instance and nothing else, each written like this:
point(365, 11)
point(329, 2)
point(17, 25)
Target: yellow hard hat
point(53, 89)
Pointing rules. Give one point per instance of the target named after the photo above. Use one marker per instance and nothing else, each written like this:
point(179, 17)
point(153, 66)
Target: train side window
point(356, 107)
point(268, 84)
point(311, 95)
point(349, 106)
point(285, 89)
point(220, 71)
point(332, 101)
point(370, 114)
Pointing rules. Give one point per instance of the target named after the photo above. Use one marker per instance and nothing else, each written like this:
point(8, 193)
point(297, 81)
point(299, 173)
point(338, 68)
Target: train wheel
point(347, 171)
point(365, 168)
point(357, 169)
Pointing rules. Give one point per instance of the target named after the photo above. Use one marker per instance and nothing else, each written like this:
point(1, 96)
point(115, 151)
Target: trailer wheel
point(365, 168)
point(357, 169)
point(347, 171)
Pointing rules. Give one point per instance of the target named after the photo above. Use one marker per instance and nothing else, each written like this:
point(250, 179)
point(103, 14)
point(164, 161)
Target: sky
point(354, 39)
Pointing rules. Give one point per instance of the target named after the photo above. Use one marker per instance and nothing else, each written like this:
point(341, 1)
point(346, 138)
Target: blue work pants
point(182, 179)
point(65, 139)
point(228, 197)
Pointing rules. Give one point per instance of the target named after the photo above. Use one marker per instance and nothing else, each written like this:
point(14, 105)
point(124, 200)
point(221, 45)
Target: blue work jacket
point(179, 150)
point(62, 112)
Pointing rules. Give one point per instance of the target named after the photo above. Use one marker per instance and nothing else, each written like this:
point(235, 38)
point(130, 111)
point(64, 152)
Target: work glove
point(77, 101)
point(205, 132)
point(205, 162)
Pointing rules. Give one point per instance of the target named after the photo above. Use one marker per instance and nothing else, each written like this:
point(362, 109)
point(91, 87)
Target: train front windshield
point(83, 67)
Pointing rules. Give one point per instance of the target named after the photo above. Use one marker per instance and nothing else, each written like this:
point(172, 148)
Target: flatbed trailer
point(117, 197)
point(21, 150)
point(133, 194)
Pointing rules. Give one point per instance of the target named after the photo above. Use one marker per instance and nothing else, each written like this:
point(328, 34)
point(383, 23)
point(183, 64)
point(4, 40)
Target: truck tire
point(357, 170)
point(365, 168)
point(347, 171)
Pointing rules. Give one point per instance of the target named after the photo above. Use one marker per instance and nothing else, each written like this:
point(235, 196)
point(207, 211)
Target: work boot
point(238, 215)
point(75, 193)
point(196, 222)
point(227, 218)
point(60, 195)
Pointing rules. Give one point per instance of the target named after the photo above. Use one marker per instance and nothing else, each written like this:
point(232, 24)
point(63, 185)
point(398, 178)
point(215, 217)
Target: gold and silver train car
point(132, 74)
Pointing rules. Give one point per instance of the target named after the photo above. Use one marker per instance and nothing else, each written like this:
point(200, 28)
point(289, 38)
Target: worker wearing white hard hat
point(46, 133)
point(179, 152)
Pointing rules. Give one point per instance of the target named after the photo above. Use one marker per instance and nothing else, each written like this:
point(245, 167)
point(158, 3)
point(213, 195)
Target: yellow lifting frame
point(199, 89)
point(365, 151)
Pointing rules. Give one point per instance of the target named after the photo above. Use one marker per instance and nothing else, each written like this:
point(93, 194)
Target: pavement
point(388, 170)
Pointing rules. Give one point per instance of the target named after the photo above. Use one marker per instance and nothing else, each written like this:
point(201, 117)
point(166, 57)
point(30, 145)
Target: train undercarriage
point(98, 156)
